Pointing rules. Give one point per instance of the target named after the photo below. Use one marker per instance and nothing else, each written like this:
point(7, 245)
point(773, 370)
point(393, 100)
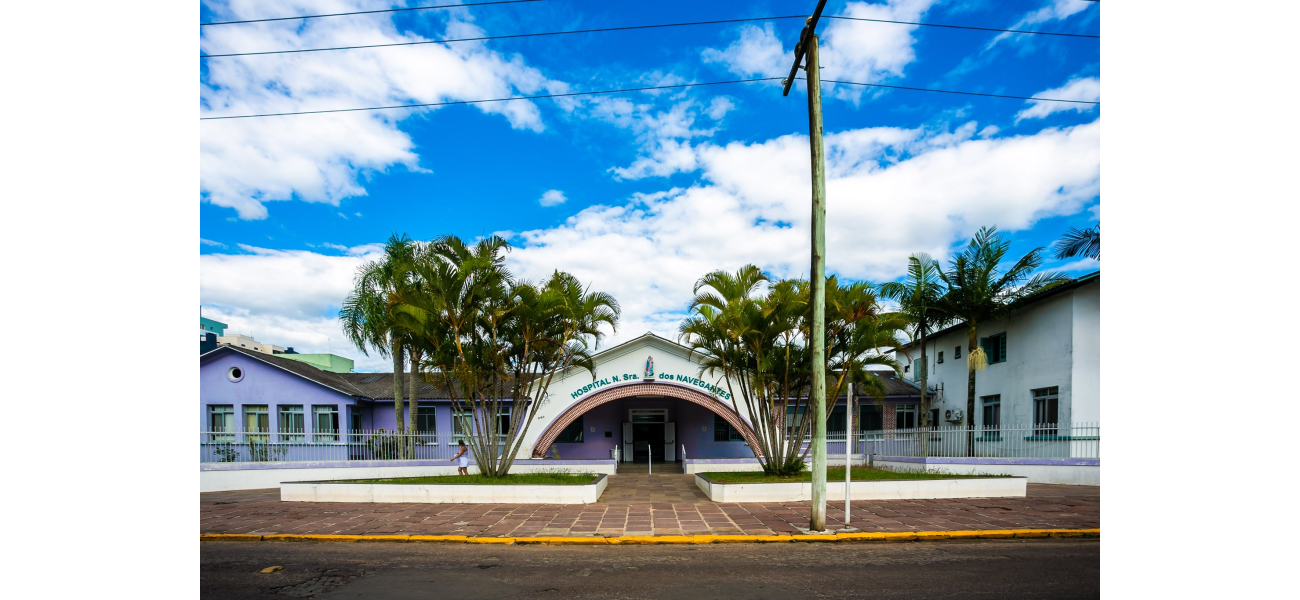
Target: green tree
point(980, 290)
point(495, 343)
point(368, 318)
point(919, 298)
point(1079, 242)
point(755, 338)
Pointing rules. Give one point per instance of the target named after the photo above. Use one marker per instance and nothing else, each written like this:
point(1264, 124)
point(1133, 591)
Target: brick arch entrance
point(666, 390)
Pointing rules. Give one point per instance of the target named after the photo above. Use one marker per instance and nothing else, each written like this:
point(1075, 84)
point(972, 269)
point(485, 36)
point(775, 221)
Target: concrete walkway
point(640, 504)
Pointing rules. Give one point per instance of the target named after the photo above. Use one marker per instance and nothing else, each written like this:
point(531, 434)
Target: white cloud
point(756, 53)
point(552, 198)
point(719, 107)
point(211, 243)
point(285, 297)
point(245, 163)
point(1087, 89)
point(1053, 10)
point(890, 192)
point(857, 51)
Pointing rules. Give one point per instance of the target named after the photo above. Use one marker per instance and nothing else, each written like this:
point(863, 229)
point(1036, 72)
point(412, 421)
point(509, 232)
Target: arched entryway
point(631, 390)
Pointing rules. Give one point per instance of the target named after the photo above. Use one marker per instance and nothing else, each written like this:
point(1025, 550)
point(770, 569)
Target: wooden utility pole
point(807, 47)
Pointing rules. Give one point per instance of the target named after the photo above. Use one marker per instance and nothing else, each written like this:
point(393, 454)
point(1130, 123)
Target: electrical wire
point(366, 12)
point(624, 90)
point(503, 37)
point(634, 27)
point(1078, 35)
point(917, 89)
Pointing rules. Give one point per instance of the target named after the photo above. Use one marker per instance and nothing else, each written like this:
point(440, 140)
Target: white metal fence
point(275, 446)
point(1045, 440)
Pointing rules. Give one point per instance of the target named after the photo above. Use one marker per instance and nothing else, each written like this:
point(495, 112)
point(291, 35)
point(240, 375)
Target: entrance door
point(648, 441)
point(627, 442)
point(670, 442)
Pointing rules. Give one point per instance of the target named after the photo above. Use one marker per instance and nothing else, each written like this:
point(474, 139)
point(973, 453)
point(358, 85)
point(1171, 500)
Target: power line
point(367, 12)
point(619, 91)
point(917, 89)
point(1078, 35)
point(634, 27)
point(450, 103)
point(502, 37)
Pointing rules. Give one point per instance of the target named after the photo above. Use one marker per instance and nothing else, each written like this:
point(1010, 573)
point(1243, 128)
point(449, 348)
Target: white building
point(1044, 362)
point(248, 343)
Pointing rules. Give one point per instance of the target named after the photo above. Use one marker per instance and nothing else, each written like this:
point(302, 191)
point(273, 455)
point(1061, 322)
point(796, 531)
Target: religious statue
point(649, 367)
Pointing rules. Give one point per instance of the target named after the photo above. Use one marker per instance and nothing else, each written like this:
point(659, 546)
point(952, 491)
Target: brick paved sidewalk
point(661, 505)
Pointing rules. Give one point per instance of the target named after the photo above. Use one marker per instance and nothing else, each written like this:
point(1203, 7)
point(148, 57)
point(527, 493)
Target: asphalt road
point(1068, 568)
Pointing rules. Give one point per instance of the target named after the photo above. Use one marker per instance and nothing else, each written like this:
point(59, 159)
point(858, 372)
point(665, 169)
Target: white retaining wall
point(219, 478)
point(1044, 473)
point(993, 487)
point(443, 494)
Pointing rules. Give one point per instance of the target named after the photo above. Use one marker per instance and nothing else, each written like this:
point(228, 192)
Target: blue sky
point(656, 188)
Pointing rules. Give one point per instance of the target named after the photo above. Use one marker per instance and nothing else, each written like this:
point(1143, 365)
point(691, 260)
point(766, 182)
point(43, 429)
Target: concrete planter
point(992, 487)
point(223, 477)
point(450, 493)
point(1069, 471)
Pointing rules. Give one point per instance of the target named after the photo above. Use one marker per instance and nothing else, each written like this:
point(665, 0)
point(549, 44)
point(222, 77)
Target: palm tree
point(919, 296)
point(1079, 242)
point(368, 319)
point(979, 291)
point(495, 343)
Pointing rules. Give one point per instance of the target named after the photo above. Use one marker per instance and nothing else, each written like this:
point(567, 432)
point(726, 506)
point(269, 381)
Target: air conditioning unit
point(953, 415)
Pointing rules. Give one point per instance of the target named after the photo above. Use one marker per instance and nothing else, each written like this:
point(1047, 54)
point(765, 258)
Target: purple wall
point(263, 384)
point(694, 429)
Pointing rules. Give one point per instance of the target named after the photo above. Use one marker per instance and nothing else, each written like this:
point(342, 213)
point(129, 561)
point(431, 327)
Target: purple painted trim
point(1060, 462)
point(384, 463)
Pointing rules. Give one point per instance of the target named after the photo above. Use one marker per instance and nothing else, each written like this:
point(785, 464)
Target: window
point(920, 372)
point(1046, 406)
point(723, 431)
point(870, 418)
point(426, 422)
point(257, 420)
point(235, 374)
point(907, 368)
point(905, 416)
point(291, 423)
point(791, 421)
point(995, 346)
point(940, 361)
point(462, 422)
point(221, 420)
point(571, 434)
point(326, 422)
point(956, 351)
point(992, 414)
point(648, 415)
point(835, 424)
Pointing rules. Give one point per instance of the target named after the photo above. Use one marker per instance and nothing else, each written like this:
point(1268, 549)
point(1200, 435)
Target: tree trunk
point(398, 379)
point(414, 388)
point(970, 394)
point(414, 397)
point(925, 400)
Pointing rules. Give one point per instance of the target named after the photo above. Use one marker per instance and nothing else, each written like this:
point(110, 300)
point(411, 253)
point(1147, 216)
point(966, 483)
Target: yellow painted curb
point(1032, 533)
point(652, 539)
point(231, 537)
point(879, 536)
point(814, 537)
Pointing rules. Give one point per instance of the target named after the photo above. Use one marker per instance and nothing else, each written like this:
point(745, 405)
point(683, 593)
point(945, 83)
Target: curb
point(901, 536)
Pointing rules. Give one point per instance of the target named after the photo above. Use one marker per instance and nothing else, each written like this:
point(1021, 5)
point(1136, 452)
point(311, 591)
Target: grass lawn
point(833, 475)
point(512, 479)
